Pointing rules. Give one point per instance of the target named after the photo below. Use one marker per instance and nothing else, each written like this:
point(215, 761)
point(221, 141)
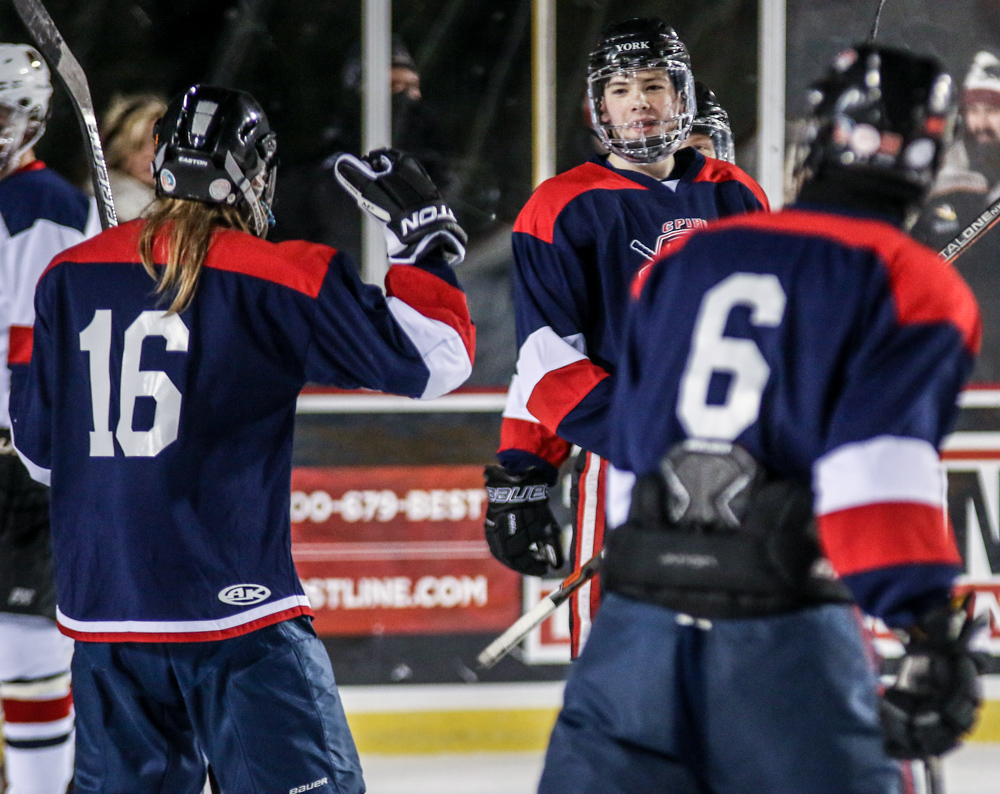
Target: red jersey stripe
point(890, 533)
point(721, 171)
point(434, 298)
point(188, 636)
point(538, 218)
point(558, 392)
point(522, 434)
point(20, 344)
point(925, 289)
point(30, 711)
point(295, 264)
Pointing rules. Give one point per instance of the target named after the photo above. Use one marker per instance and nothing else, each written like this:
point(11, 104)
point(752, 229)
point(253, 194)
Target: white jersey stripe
point(440, 346)
point(618, 496)
point(179, 626)
point(38, 730)
point(542, 352)
point(882, 469)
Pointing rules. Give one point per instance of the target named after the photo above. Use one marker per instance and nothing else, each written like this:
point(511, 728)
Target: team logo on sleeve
point(241, 595)
point(672, 232)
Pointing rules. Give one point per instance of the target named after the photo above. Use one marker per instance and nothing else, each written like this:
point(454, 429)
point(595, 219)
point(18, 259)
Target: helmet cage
point(25, 91)
point(672, 131)
point(719, 133)
point(13, 126)
point(214, 145)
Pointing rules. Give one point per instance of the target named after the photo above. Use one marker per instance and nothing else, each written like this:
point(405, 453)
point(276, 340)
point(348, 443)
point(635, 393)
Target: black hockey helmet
point(713, 122)
point(882, 118)
point(215, 145)
point(635, 45)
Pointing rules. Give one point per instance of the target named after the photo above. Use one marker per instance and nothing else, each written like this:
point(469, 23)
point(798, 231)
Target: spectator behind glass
point(968, 183)
point(309, 205)
point(127, 135)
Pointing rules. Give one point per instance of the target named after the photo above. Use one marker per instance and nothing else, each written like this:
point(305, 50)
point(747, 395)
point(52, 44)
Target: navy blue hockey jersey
point(833, 348)
point(168, 437)
point(41, 214)
point(578, 243)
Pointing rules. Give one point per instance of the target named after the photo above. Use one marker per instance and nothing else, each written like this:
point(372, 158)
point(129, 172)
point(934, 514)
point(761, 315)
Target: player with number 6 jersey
point(160, 397)
point(784, 385)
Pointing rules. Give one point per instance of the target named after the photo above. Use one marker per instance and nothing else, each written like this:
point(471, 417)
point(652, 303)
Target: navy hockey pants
point(263, 708)
point(777, 705)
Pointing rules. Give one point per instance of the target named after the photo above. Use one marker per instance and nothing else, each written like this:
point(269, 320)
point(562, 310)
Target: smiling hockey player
point(778, 368)
point(578, 243)
point(160, 398)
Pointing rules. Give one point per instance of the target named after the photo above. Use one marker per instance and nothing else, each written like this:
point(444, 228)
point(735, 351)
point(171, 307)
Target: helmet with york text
point(214, 145)
point(627, 51)
point(881, 121)
point(25, 91)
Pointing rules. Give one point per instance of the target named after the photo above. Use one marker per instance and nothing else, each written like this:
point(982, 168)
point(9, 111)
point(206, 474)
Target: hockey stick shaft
point(524, 625)
point(53, 48)
point(933, 776)
point(971, 233)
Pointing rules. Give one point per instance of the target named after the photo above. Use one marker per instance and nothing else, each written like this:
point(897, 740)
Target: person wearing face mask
point(310, 206)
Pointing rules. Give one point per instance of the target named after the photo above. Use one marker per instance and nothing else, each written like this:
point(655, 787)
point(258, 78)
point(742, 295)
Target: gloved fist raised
point(394, 189)
point(520, 529)
point(936, 697)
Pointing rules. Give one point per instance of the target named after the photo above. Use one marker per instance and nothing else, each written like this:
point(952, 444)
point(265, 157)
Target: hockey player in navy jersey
point(40, 215)
point(578, 242)
point(167, 357)
point(711, 133)
point(784, 385)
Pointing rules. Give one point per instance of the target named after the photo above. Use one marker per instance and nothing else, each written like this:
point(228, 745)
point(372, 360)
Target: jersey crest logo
point(240, 595)
point(672, 232)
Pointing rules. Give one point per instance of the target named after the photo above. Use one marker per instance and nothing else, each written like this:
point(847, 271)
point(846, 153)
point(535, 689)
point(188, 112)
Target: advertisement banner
point(398, 550)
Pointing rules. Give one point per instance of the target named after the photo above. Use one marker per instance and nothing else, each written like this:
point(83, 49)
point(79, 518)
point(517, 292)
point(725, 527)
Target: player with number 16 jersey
point(168, 354)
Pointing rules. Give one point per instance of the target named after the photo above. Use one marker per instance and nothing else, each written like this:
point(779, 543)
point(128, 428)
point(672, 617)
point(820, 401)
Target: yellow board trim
point(472, 731)
point(988, 727)
point(505, 731)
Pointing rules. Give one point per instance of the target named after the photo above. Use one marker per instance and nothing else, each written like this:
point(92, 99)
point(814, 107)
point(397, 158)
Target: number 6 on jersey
point(712, 352)
point(134, 383)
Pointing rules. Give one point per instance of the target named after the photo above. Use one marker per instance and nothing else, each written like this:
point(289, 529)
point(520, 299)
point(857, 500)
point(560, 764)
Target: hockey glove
point(936, 697)
point(520, 529)
point(394, 189)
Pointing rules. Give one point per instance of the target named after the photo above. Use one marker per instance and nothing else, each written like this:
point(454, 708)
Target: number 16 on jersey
point(96, 340)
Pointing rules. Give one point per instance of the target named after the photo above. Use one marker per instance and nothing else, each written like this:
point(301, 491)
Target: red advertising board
point(398, 550)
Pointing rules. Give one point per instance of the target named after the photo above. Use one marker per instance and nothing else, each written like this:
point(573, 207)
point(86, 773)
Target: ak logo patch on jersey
point(241, 595)
point(672, 231)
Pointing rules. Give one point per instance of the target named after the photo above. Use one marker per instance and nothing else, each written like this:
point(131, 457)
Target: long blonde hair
point(188, 226)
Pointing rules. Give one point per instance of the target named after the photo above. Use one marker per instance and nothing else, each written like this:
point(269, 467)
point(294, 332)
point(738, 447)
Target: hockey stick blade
point(971, 233)
point(524, 625)
point(50, 43)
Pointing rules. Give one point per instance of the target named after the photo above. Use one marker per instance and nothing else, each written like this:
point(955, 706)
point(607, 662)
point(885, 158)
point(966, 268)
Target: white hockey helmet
point(25, 90)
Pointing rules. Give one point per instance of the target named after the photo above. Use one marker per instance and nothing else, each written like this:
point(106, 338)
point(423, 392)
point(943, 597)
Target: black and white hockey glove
point(937, 696)
point(394, 189)
point(520, 529)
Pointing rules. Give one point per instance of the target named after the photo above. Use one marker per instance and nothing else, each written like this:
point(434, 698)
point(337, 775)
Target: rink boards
point(387, 511)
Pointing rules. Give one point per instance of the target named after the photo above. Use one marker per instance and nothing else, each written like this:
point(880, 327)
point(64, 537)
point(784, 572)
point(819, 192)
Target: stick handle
point(54, 49)
point(933, 776)
point(502, 645)
point(971, 233)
